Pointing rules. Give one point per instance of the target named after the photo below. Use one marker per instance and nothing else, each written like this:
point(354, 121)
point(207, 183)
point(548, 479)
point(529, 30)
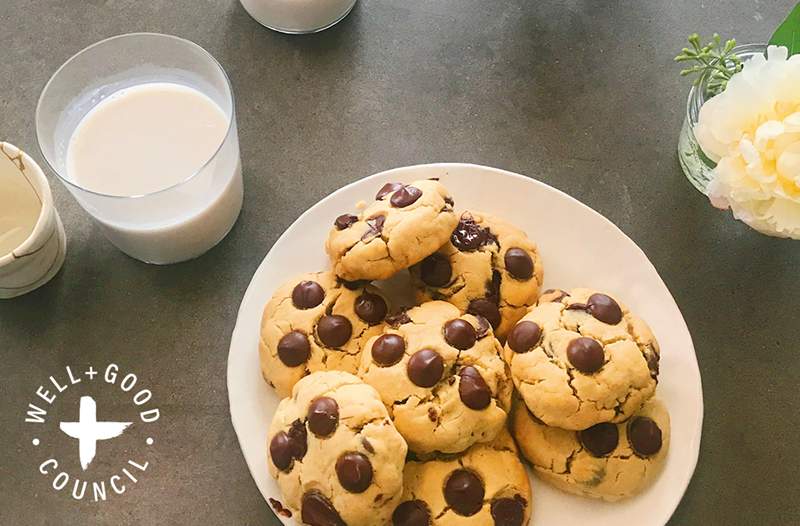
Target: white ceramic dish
point(579, 247)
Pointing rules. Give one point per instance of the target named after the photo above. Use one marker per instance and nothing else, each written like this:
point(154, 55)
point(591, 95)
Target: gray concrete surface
point(581, 94)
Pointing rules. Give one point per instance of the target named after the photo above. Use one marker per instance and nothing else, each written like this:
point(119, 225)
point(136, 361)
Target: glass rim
point(697, 97)
point(71, 59)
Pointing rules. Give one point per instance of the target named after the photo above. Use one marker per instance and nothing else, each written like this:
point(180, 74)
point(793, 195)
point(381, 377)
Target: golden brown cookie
point(335, 454)
point(488, 267)
point(607, 461)
point(441, 376)
point(486, 485)
point(314, 322)
point(406, 223)
point(582, 358)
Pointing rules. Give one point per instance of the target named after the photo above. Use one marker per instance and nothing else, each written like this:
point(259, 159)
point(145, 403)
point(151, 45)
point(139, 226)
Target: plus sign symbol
point(87, 430)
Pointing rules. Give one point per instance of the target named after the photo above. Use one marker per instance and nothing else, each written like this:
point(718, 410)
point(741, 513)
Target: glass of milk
point(298, 16)
point(141, 129)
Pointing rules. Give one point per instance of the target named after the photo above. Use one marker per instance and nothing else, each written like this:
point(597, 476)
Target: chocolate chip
point(464, 492)
point(387, 189)
point(367, 445)
point(280, 451)
point(388, 350)
point(435, 270)
point(345, 221)
point(460, 334)
point(508, 512)
point(585, 354)
point(317, 510)
point(473, 389)
point(323, 416)
point(483, 326)
point(307, 294)
point(298, 437)
point(425, 368)
point(354, 471)
point(524, 336)
point(449, 200)
point(600, 439)
point(487, 309)
point(371, 308)
point(279, 509)
point(558, 297)
point(405, 196)
point(652, 358)
point(433, 416)
point(577, 306)
point(519, 263)
point(604, 308)
point(398, 319)
point(644, 436)
point(469, 236)
point(411, 513)
point(334, 330)
point(294, 349)
point(375, 225)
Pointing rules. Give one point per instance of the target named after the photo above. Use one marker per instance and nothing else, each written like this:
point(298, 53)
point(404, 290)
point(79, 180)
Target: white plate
point(579, 247)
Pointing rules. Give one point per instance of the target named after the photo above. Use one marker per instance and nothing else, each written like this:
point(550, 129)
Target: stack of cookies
point(403, 415)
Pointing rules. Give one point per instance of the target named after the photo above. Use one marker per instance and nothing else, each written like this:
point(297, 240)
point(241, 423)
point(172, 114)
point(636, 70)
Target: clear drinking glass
point(167, 226)
point(697, 167)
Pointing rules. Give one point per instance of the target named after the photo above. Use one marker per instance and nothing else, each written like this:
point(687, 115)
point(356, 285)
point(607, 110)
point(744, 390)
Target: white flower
point(752, 130)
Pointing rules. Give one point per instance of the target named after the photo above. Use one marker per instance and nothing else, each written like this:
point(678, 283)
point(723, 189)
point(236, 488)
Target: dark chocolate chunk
point(294, 349)
point(604, 308)
point(317, 510)
point(425, 368)
point(600, 439)
point(487, 309)
point(334, 330)
point(354, 471)
point(473, 390)
point(519, 263)
point(298, 438)
point(411, 513)
point(464, 492)
point(460, 334)
point(469, 236)
point(483, 326)
point(388, 350)
point(323, 416)
point(398, 319)
point(280, 451)
point(367, 445)
point(307, 294)
point(387, 189)
point(371, 308)
point(644, 436)
point(449, 201)
point(585, 354)
point(435, 270)
point(508, 512)
point(375, 225)
point(524, 337)
point(345, 221)
point(405, 196)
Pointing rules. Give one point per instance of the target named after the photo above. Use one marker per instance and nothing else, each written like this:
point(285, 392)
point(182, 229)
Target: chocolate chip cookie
point(316, 322)
point(486, 485)
point(581, 358)
point(441, 376)
point(406, 223)
point(606, 461)
point(336, 456)
point(487, 267)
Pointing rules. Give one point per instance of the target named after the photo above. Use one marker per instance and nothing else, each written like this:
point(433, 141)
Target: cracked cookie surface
point(314, 322)
point(441, 376)
point(487, 267)
point(607, 461)
point(405, 224)
point(335, 454)
point(486, 485)
point(581, 358)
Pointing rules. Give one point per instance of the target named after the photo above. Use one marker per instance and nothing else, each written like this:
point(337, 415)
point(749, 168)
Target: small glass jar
point(298, 16)
point(695, 163)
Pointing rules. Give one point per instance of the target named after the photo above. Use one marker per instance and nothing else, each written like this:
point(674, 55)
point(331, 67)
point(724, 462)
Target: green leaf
point(788, 33)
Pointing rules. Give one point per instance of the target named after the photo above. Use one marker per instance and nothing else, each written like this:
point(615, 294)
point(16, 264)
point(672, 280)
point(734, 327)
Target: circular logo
point(92, 431)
